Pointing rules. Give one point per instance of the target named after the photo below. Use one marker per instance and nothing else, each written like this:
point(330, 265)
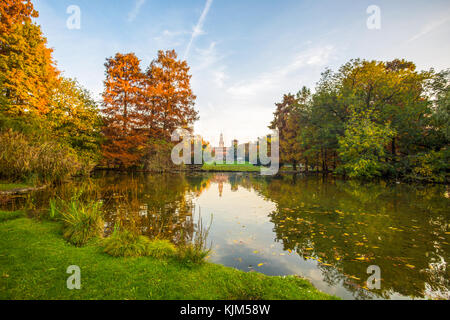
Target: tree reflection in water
point(343, 226)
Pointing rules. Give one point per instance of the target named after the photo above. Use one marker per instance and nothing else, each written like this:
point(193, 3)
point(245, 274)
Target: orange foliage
point(27, 71)
point(169, 99)
point(122, 100)
point(142, 107)
point(15, 12)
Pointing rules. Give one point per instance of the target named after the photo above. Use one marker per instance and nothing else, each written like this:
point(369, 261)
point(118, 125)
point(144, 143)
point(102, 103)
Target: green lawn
point(244, 167)
point(34, 258)
point(5, 186)
point(9, 215)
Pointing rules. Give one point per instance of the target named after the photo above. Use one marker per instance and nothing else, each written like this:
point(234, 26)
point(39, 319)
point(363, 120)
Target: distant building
point(221, 151)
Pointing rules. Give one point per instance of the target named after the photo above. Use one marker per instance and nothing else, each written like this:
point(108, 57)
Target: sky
point(244, 54)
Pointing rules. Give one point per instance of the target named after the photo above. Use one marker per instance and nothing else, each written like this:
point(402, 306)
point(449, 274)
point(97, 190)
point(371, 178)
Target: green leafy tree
point(362, 148)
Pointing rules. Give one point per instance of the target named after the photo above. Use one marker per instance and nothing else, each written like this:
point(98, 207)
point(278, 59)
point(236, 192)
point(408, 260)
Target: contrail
point(198, 28)
point(137, 7)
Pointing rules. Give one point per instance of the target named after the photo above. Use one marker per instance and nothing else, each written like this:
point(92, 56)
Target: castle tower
point(221, 144)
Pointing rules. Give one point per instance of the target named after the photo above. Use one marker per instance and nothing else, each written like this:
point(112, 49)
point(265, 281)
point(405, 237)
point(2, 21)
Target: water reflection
point(327, 230)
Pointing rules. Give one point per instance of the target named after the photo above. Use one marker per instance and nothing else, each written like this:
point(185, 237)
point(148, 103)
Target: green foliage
point(430, 166)
point(125, 243)
point(403, 115)
point(75, 120)
point(362, 148)
point(158, 157)
point(82, 221)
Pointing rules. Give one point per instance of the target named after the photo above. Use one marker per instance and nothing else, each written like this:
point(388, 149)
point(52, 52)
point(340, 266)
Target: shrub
point(430, 166)
point(22, 158)
point(124, 243)
point(158, 158)
point(82, 222)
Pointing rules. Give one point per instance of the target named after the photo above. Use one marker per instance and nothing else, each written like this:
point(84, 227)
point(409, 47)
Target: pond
point(324, 229)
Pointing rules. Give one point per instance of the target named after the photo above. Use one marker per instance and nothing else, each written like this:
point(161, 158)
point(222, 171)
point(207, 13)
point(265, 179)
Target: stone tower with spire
point(221, 144)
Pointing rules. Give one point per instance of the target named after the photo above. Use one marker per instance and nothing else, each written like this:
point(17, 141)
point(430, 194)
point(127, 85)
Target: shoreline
point(38, 245)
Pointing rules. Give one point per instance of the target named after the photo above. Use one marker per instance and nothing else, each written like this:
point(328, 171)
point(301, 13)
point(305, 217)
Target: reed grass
point(82, 221)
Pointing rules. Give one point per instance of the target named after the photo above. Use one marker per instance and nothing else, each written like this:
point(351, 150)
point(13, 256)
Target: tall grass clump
point(125, 243)
point(37, 160)
point(82, 221)
point(196, 249)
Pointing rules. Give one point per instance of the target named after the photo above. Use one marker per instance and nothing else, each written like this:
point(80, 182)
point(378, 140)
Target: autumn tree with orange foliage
point(49, 125)
point(142, 109)
point(27, 71)
point(122, 105)
point(168, 94)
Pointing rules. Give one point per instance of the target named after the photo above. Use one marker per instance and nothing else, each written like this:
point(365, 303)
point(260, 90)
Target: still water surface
point(326, 230)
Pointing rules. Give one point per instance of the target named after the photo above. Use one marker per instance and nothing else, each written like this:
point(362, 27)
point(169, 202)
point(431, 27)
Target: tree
point(169, 100)
point(14, 12)
point(125, 139)
point(27, 71)
point(364, 101)
point(74, 118)
point(362, 148)
point(285, 121)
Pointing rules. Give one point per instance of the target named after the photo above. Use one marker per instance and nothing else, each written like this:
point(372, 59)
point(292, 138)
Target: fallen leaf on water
point(261, 264)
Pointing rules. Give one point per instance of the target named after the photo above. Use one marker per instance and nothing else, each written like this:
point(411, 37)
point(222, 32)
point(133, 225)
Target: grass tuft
point(124, 243)
point(196, 251)
point(161, 249)
point(82, 222)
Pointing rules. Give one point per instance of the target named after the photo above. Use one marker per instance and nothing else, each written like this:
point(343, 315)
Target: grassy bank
point(7, 186)
point(236, 167)
point(34, 258)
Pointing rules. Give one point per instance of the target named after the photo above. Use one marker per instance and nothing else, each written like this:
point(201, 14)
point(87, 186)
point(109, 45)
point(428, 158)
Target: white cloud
point(198, 29)
point(269, 81)
point(170, 39)
point(243, 110)
point(135, 11)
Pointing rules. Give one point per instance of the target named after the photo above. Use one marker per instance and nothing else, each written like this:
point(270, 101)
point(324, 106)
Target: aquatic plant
point(196, 250)
point(82, 221)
